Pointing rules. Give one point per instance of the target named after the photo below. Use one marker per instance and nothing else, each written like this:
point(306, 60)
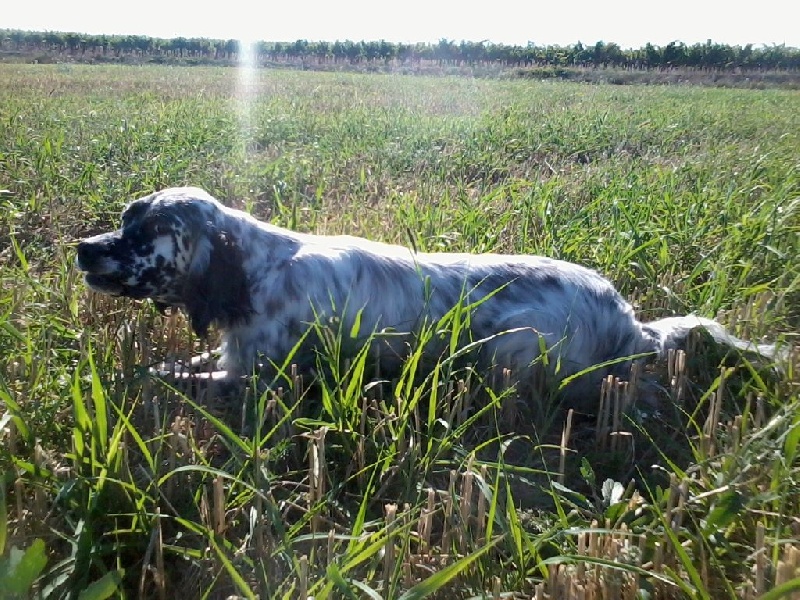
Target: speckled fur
point(262, 285)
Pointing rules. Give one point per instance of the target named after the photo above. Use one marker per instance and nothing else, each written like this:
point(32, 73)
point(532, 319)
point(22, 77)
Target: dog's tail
point(673, 333)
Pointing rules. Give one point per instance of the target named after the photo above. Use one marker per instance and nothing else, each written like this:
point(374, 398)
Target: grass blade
point(441, 578)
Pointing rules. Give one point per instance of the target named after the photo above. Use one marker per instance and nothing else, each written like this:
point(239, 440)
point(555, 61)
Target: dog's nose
point(88, 253)
point(84, 250)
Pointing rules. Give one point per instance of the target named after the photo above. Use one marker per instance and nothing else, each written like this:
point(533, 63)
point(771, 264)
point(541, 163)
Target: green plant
point(435, 482)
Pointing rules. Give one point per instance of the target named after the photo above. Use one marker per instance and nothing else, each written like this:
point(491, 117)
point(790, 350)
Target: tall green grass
point(431, 484)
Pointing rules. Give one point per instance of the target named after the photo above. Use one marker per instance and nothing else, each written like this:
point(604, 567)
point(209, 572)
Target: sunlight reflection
point(246, 91)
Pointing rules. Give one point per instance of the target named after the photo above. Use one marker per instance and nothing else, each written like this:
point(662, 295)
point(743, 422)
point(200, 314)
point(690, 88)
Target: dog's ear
point(217, 289)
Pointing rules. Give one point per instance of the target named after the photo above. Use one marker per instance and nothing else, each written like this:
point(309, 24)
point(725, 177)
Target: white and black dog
point(263, 287)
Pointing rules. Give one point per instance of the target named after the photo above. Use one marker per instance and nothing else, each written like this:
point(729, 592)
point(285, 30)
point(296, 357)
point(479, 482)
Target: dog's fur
point(263, 286)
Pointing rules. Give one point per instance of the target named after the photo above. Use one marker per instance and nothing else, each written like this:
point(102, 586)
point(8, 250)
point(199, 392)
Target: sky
point(629, 23)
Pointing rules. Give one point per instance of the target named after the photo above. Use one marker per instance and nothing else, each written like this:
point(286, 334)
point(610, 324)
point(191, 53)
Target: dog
point(264, 288)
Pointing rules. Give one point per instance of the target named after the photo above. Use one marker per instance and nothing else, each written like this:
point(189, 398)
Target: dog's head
point(172, 248)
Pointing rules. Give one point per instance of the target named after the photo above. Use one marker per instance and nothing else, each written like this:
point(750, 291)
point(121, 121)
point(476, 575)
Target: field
point(688, 199)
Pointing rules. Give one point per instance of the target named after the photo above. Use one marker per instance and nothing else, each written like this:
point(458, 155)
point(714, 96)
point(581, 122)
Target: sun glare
point(246, 88)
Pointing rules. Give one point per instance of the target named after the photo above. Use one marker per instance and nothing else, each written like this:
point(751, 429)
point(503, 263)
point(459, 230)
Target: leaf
point(20, 254)
point(14, 409)
point(439, 579)
point(235, 576)
point(4, 421)
point(602, 365)
point(560, 487)
point(103, 587)
point(224, 430)
point(12, 331)
point(792, 440)
point(100, 421)
point(725, 510)
point(334, 575)
point(22, 568)
point(3, 517)
point(695, 579)
point(356, 328)
point(587, 472)
point(82, 421)
point(366, 589)
point(784, 590)
point(612, 492)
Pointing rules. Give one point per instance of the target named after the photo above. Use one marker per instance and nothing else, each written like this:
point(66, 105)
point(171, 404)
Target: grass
point(687, 198)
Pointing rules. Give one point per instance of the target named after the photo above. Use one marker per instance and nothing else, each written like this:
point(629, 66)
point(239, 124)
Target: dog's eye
point(159, 228)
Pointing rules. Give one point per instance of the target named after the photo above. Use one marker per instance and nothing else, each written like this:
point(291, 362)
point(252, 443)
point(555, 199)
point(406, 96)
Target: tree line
point(706, 56)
